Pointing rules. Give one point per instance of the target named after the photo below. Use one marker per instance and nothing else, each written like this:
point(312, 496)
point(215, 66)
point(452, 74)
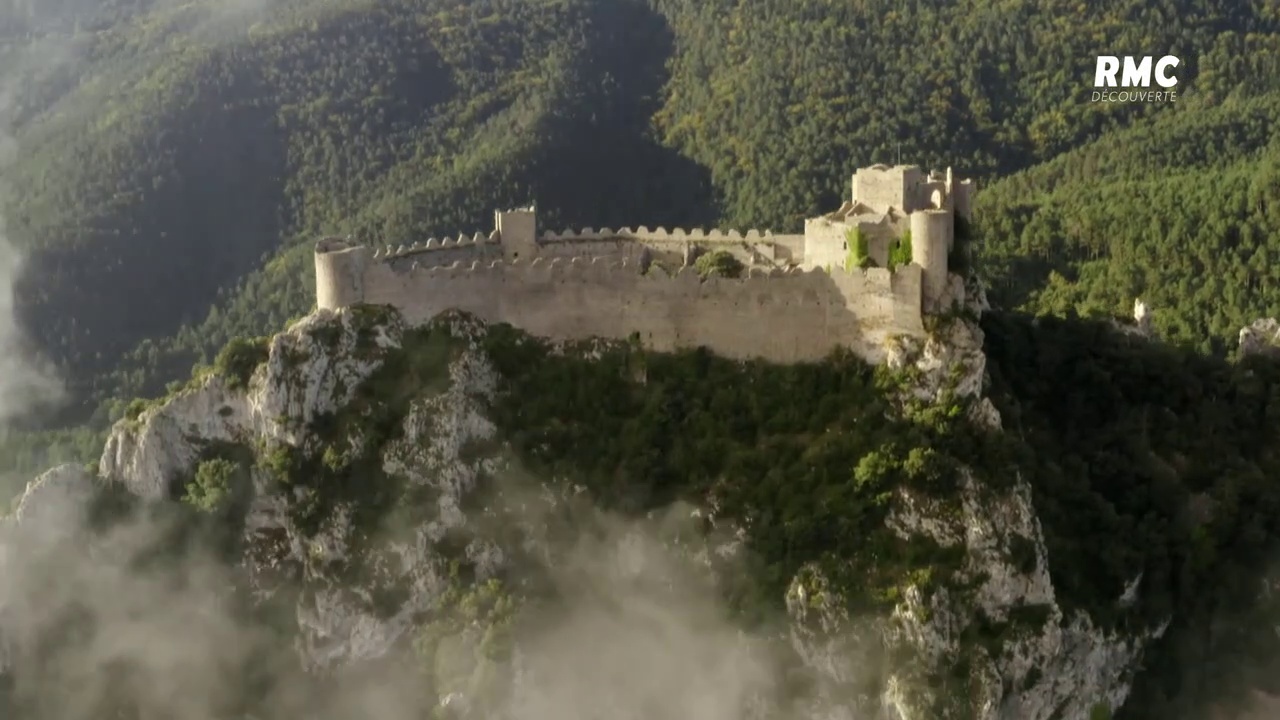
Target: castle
point(798, 297)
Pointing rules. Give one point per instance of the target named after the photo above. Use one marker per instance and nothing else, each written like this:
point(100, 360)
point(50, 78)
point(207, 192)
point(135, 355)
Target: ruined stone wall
point(781, 316)
point(587, 283)
point(828, 242)
point(623, 243)
point(565, 244)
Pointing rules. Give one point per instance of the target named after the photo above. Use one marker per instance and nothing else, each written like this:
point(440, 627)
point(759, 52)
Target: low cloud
point(26, 383)
point(641, 634)
point(627, 624)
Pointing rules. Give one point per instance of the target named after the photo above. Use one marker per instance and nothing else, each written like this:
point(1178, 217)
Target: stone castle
point(797, 298)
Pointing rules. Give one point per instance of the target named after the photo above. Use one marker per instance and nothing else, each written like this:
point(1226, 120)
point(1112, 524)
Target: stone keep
point(799, 298)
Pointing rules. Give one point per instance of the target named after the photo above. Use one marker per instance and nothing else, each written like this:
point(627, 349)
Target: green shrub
point(211, 489)
point(718, 263)
point(239, 359)
point(135, 409)
point(900, 251)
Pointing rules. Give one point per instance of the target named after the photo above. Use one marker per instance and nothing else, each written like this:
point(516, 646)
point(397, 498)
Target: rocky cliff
point(378, 479)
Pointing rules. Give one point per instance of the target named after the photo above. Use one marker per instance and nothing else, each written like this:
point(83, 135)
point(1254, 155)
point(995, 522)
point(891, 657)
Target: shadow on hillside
point(604, 167)
point(167, 243)
point(188, 207)
point(1149, 461)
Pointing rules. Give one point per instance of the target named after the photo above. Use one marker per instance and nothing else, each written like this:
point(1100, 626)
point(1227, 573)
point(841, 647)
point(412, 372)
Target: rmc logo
point(1137, 73)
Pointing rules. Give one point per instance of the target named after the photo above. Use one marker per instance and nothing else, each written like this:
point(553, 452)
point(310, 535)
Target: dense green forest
point(174, 160)
point(1182, 212)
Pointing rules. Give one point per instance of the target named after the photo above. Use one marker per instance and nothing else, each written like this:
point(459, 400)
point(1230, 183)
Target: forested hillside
point(174, 160)
point(1183, 212)
point(203, 143)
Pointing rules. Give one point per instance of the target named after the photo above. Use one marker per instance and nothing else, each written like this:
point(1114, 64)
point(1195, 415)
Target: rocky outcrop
point(1043, 663)
point(312, 369)
point(312, 372)
point(1262, 337)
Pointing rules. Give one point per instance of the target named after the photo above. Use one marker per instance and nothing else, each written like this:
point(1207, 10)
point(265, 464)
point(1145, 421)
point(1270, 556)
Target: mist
point(26, 383)
point(640, 631)
point(134, 620)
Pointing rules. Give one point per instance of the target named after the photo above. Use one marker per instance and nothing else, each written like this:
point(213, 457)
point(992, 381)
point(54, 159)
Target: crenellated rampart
point(779, 315)
point(644, 234)
point(441, 250)
point(623, 242)
point(796, 302)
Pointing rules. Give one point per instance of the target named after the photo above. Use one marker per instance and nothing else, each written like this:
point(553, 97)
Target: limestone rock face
point(312, 370)
point(949, 363)
point(1261, 338)
point(303, 378)
point(430, 455)
point(1050, 664)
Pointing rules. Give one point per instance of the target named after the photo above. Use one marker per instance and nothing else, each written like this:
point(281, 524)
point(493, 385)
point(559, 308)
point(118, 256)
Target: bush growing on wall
point(900, 251)
point(859, 250)
point(718, 263)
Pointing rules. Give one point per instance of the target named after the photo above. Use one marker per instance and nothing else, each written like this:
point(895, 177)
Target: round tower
point(340, 267)
point(930, 237)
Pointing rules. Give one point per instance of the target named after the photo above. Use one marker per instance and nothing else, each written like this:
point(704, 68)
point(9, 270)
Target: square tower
point(881, 187)
point(518, 232)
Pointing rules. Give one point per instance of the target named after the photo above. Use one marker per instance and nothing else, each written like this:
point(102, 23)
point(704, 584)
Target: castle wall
point(588, 283)
point(880, 237)
point(623, 243)
point(789, 248)
point(933, 195)
point(826, 243)
point(778, 316)
point(660, 237)
point(518, 231)
point(879, 187)
point(447, 255)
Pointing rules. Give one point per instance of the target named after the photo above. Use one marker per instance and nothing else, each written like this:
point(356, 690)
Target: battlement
point(798, 297)
point(390, 252)
point(585, 235)
point(659, 234)
point(606, 268)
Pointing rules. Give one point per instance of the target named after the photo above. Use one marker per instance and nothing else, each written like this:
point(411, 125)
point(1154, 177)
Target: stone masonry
point(799, 298)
